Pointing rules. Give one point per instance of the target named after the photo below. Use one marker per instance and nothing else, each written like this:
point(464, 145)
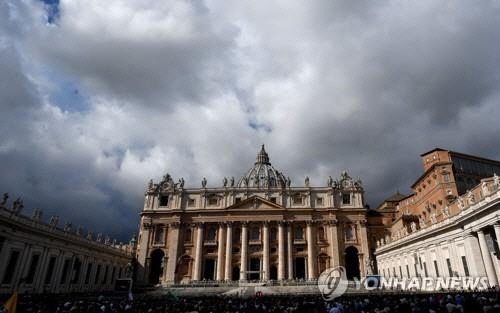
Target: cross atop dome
point(262, 157)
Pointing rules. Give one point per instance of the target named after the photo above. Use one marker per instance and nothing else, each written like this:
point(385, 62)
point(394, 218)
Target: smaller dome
point(262, 174)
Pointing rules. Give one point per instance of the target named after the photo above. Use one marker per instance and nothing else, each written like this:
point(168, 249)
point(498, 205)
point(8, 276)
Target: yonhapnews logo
point(333, 283)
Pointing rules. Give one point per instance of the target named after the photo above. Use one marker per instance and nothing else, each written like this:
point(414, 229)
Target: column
point(311, 251)
point(488, 264)
point(334, 243)
point(173, 243)
point(142, 253)
point(229, 251)
point(220, 253)
point(281, 251)
point(289, 248)
point(198, 252)
point(265, 250)
point(38, 283)
point(364, 246)
point(244, 251)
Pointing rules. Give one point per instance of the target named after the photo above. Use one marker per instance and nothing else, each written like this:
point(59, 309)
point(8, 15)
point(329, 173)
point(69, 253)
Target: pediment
point(255, 203)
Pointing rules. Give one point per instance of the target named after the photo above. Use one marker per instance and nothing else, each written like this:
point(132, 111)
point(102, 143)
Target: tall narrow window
point(97, 274)
point(65, 270)
point(50, 270)
point(87, 275)
point(466, 268)
point(11, 267)
point(32, 269)
point(164, 201)
point(436, 268)
point(346, 198)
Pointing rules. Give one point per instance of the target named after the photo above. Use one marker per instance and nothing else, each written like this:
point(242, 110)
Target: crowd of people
point(467, 302)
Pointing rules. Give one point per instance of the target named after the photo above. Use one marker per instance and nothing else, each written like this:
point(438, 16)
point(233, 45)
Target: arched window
point(255, 233)
point(321, 233)
point(211, 233)
point(350, 233)
point(160, 233)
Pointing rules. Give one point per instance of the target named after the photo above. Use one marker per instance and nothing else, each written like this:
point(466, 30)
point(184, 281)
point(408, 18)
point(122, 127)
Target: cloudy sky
point(97, 97)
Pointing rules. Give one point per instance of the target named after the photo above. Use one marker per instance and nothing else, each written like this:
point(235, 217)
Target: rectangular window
point(450, 269)
point(11, 267)
point(346, 198)
point(97, 274)
point(76, 271)
point(319, 201)
point(105, 278)
point(191, 202)
point(212, 201)
point(466, 268)
point(273, 199)
point(436, 268)
point(87, 274)
point(65, 271)
point(50, 270)
point(164, 201)
point(237, 200)
point(297, 200)
point(32, 269)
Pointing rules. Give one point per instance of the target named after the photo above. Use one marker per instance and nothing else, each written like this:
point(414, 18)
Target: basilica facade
point(255, 228)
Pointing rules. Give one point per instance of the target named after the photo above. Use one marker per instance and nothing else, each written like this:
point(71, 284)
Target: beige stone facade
point(259, 227)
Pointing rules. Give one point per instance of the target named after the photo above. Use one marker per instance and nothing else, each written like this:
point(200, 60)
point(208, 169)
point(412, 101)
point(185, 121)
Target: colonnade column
point(265, 250)
point(281, 250)
point(289, 248)
point(173, 238)
point(334, 244)
point(198, 252)
point(364, 246)
point(229, 251)
point(488, 264)
point(311, 251)
point(220, 253)
point(244, 251)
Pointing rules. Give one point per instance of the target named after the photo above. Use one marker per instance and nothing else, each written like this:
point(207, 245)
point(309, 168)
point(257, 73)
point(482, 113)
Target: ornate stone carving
point(470, 198)
point(54, 220)
point(461, 203)
point(224, 182)
point(181, 182)
point(413, 227)
point(496, 180)
point(37, 215)
point(288, 182)
point(17, 206)
point(484, 188)
point(433, 218)
point(329, 181)
point(79, 230)
point(67, 227)
point(89, 235)
point(4, 200)
point(422, 223)
point(204, 182)
point(306, 181)
point(99, 237)
point(232, 181)
point(446, 211)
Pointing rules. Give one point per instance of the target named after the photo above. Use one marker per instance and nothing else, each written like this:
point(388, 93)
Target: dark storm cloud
point(194, 88)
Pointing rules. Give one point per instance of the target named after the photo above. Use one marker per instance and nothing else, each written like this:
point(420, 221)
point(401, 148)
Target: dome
point(262, 174)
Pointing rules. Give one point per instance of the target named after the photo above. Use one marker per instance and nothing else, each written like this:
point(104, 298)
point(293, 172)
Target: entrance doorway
point(236, 273)
point(156, 266)
point(300, 268)
point(254, 266)
point(273, 274)
point(352, 263)
point(209, 269)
